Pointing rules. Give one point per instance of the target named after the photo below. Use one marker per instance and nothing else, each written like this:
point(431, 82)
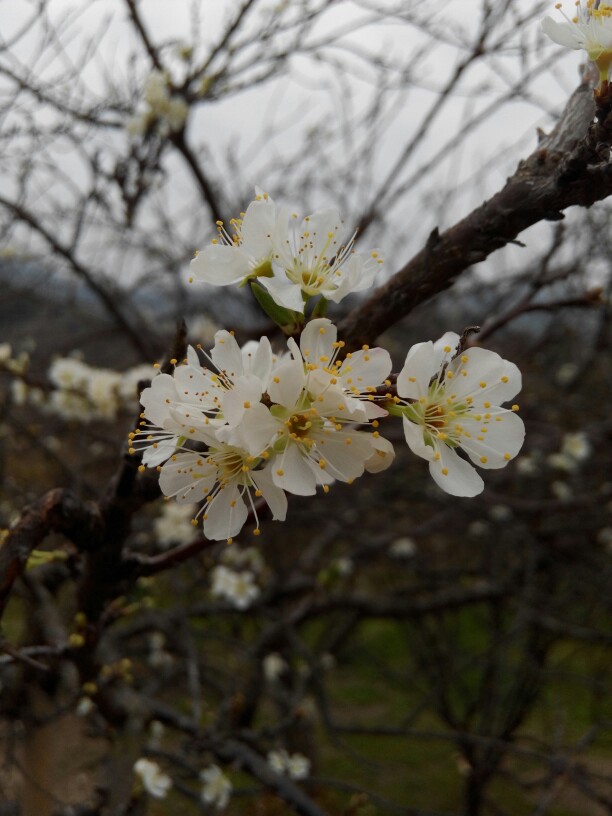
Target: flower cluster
point(252, 425)
point(294, 260)
point(589, 29)
point(80, 392)
point(234, 429)
point(295, 766)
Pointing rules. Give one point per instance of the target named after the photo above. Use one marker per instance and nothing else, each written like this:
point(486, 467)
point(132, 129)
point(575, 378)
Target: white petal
point(366, 368)
point(152, 457)
point(566, 34)
point(505, 433)
point(415, 440)
point(320, 225)
point(154, 398)
point(291, 472)
point(254, 435)
point(256, 230)
point(284, 292)
point(226, 354)
point(287, 383)
point(455, 475)
point(257, 360)
point(345, 453)
point(225, 515)
point(275, 497)
point(420, 366)
point(445, 347)
point(237, 402)
point(383, 455)
point(316, 341)
point(220, 265)
point(188, 477)
point(485, 376)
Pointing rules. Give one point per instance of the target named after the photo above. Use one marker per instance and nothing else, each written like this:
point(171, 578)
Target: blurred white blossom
point(154, 780)
point(216, 787)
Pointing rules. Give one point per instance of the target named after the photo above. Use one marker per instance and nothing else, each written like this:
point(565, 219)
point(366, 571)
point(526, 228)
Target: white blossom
point(227, 478)
point(577, 446)
point(239, 588)
point(455, 404)
point(174, 524)
point(403, 547)
point(296, 766)
point(155, 782)
point(216, 787)
point(273, 666)
point(246, 252)
point(589, 29)
point(310, 259)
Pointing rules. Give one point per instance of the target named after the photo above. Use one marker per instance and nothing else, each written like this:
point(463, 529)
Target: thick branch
point(569, 167)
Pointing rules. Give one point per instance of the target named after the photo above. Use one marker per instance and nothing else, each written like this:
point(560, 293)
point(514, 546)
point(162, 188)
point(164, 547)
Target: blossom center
point(299, 426)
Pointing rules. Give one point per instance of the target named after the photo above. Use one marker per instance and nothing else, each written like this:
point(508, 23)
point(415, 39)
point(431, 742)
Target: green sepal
point(320, 309)
point(288, 320)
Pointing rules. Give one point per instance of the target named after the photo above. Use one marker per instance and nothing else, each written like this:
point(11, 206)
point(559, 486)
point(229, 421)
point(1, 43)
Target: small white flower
point(455, 404)
point(273, 666)
point(226, 478)
point(344, 566)
point(566, 373)
point(246, 253)
point(561, 490)
point(239, 588)
point(311, 428)
point(310, 260)
point(500, 512)
point(216, 787)
point(527, 466)
point(174, 524)
point(577, 446)
point(404, 547)
point(196, 398)
point(589, 29)
point(84, 707)
point(155, 782)
point(296, 766)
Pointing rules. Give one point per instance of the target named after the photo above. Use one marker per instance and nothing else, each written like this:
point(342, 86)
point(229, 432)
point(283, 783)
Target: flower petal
point(225, 515)
point(274, 496)
point(317, 341)
point(292, 472)
point(499, 440)
point(566, 34)
point(420, 366)
point(484, 375)
point(220, 265)
point(415, 440)
point(454, 475)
